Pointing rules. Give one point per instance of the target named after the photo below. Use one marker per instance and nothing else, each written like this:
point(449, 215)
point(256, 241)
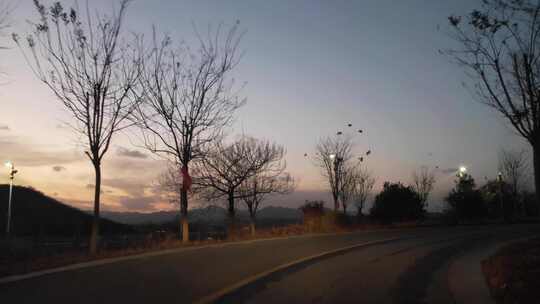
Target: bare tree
point(90, 69)
point(423, 181)
point(6, 8)
point(188, 100)
point(347, 185)
point(169, 183)
point(271, 179)
point(364, 182)
point(514, 168)
point(332, 156)
point(499, 49)
point(226, 167)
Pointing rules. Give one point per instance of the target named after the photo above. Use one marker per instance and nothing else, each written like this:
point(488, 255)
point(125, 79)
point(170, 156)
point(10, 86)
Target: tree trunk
point(336, 203)
point(184, 224)
point(231, 211)
point(536, 164)
point(360, 214)
point(94, 234)
point(252, 226)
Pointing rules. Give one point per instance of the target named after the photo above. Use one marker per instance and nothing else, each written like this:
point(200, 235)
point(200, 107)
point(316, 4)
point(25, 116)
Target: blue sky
point(310, 68)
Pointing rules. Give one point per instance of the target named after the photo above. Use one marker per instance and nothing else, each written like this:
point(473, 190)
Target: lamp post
point(500, 181)
point(336, 162)
point(12, 173)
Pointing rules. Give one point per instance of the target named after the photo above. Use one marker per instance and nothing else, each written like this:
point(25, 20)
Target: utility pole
point(337, 160)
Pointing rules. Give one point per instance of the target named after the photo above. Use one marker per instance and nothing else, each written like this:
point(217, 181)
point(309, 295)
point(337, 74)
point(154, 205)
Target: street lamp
point(500, 177)
point(336, 161)
point(462, 171)
point(12, 172)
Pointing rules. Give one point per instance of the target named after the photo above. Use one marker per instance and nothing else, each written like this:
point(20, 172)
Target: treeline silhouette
point(496, 199)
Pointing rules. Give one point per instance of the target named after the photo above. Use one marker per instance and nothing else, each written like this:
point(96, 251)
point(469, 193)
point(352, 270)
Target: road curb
point(220, 294)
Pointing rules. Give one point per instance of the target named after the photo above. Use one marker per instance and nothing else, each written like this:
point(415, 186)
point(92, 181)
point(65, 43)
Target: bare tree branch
point(226, 167)
point(188, 98)
point(333, 157)
point(269, 180)
point(514, 168)
point(499, 48)
point(363, 185)
point(423, 181)
point(91, 69)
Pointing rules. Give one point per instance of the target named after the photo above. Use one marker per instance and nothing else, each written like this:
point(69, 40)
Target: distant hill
point(137, 218)
point(34, 214)
point(211, 214)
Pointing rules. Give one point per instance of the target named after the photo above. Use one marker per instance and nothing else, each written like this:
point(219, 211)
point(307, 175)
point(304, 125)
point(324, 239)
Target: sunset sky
point(310, 68)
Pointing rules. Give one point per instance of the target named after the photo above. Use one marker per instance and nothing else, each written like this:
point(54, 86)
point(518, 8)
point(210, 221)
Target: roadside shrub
point(313, 215)
point(499, 200)
point(397, 202)
point(329, 221)
point(312, 208)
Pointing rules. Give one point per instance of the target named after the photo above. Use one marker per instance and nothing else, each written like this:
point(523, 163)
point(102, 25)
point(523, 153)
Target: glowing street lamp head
point(462, 169)
point(332, 156)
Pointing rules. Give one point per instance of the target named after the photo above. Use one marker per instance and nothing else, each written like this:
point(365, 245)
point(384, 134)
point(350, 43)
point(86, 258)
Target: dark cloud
point(130, 153)
point(4, 127)
point(131, 187)
point(135, 167)
point(26, 154)
point(138, 203)
point(58, 168)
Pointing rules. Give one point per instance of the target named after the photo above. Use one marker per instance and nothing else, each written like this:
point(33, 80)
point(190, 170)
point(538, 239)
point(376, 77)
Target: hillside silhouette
point(36, 214)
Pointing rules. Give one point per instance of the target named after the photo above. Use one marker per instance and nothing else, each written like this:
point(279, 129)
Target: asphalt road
point(413, 269)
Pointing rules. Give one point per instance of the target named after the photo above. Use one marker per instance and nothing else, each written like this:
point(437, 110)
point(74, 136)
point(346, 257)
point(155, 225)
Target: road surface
point(408, 266)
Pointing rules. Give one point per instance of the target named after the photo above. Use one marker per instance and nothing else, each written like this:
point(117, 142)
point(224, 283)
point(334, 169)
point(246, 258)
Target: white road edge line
point(20, 277)
point(252, 279)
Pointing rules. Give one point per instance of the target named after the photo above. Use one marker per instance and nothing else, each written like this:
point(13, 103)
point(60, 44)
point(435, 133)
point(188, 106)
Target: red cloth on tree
point(186, 178)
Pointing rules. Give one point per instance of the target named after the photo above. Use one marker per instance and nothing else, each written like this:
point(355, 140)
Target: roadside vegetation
point(512, 273)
